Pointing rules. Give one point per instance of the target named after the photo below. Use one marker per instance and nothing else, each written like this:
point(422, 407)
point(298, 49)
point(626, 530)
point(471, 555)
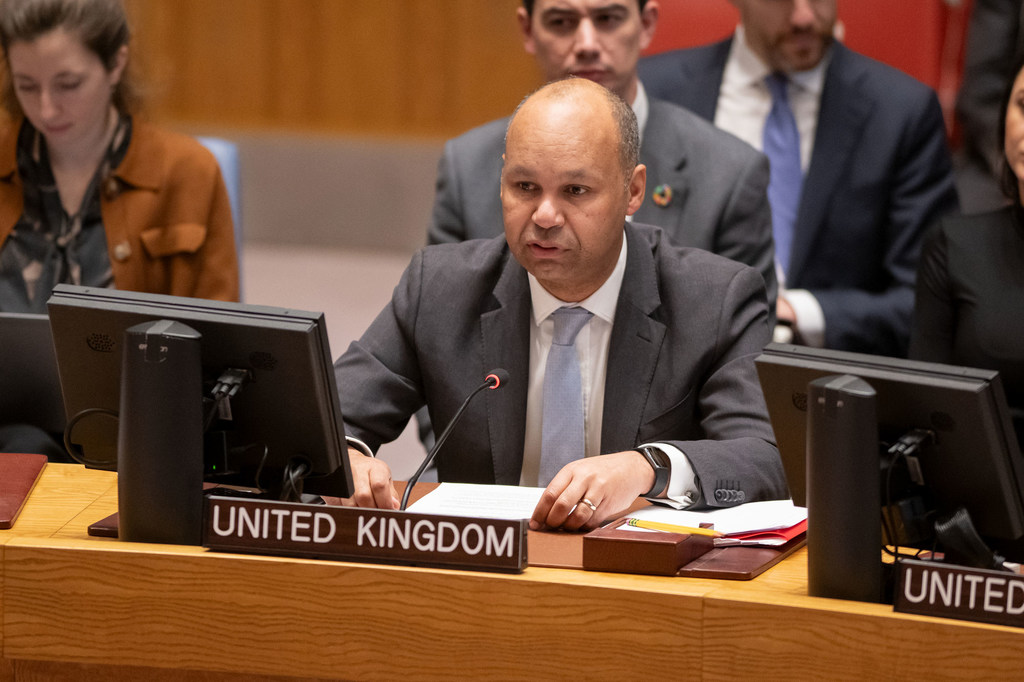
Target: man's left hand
point(588, 491)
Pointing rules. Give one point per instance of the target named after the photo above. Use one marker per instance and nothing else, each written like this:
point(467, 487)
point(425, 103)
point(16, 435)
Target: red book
point(18, 475)
point(775, 537)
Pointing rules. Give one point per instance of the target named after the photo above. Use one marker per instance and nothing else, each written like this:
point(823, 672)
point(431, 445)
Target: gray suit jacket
point(719, 188)
point(680, 369)
point(880, 175)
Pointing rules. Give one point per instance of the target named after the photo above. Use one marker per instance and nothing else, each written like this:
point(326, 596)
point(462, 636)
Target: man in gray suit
point(705, 188)
point(667, 393)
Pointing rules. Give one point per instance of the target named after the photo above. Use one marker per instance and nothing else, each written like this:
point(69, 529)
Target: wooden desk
point(75, 605)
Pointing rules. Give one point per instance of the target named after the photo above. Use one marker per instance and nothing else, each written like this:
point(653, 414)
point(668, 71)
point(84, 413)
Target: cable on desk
point(75, 451)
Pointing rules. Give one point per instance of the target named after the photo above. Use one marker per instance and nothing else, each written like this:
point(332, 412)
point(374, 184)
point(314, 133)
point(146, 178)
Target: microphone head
point(497, 378)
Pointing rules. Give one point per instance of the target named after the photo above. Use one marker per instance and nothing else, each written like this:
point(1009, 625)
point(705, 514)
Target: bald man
point(668, 392)
point(705, 188)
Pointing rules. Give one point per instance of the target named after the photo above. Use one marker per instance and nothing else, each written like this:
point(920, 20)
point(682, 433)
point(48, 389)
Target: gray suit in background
point(718, 184)
point(687, 328)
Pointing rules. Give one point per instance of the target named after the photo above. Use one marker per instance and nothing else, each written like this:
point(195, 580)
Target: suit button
point(122, 251)
point(726, 496)
point(111, 188)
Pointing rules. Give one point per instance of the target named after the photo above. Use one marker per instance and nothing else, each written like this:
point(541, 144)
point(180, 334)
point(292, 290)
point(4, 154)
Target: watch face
point(656, 457)
point(657, 460)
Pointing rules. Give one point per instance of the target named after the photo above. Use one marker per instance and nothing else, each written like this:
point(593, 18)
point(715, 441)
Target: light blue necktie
point(562, 437)
point(782, 147)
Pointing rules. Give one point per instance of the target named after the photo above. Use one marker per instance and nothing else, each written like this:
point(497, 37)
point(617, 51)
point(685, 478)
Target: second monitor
point(975, 460)
point(284, 417)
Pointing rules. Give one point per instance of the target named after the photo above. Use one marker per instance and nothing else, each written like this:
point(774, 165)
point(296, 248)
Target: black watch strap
point(656, 459)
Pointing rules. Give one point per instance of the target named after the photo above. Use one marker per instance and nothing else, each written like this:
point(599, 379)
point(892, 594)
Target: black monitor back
point(29, 387)
point(976, 461)
point(290, 405)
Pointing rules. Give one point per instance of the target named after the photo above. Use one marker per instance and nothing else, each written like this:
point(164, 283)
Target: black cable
point(211, 413)
point(259, 467)
point(908, 444)
point(229, 383)
point(75, 452)
point(292, 478)
point(887, 527)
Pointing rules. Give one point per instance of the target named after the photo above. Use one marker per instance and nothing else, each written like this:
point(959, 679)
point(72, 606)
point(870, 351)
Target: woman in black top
point(970, 281)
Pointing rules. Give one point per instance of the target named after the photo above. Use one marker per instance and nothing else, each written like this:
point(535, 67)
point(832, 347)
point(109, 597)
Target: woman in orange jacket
point(88, 194)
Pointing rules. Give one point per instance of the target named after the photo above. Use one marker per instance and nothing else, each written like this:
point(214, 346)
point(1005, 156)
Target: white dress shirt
point(743, 106)
point(592, 345)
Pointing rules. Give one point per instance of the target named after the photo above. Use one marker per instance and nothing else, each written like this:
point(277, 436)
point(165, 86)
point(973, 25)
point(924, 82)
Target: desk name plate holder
point(932, 588)
point(372, 535)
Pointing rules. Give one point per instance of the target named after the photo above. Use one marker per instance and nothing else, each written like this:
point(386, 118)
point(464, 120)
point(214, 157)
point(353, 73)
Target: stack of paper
point(766, 524)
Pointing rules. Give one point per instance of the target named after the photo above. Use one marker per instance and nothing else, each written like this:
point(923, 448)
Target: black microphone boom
point(496, 379)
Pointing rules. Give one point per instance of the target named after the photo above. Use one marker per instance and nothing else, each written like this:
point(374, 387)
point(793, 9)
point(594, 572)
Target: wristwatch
point(659, 462)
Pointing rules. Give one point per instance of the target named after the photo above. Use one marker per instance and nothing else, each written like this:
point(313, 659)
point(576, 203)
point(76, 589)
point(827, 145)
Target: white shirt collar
point(641, 107)
point(602, 302)
point(749, 67)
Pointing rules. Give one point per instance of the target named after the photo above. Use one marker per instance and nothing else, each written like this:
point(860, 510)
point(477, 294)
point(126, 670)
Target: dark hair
point(528, 5)
point(102, 26)
point(625, 119)
point(1009, 182)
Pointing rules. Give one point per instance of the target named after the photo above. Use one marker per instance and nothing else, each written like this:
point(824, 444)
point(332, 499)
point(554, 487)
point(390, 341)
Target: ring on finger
point(593, 507)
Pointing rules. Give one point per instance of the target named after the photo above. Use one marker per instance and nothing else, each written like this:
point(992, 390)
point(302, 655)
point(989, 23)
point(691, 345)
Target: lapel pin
point(662, 195)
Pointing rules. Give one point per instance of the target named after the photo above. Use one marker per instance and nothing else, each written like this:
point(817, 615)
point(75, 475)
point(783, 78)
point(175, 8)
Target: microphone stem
point(437, 446)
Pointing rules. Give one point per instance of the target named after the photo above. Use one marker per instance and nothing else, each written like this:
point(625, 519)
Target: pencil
point(672, 528)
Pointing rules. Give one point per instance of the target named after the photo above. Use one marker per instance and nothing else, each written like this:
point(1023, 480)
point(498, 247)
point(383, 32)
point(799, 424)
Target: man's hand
point(372, 480)
point(784, 311)
point(611, 483)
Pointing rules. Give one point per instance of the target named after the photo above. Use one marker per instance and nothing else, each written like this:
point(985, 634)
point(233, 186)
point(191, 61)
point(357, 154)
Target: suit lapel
point(841, 119)
point(665, 154)
point(634, 349)
point(702, 79)
point(506, 344)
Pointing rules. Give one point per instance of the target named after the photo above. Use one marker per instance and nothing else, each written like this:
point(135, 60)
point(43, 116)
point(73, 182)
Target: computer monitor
point(974, 460)
point(29, 387)
point(286, 413)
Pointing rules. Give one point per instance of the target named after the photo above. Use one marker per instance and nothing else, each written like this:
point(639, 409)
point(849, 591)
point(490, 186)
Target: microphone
point(496, 379)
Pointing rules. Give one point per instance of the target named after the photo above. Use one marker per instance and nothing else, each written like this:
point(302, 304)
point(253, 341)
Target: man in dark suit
point(872, 149)
point(705, 188)
point(668, 396)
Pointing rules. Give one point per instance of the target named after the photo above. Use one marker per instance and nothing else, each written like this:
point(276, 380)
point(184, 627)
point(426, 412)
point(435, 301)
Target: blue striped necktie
point(782, 147)
point(562, 437)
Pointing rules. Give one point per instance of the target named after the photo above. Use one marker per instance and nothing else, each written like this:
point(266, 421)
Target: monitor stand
point(160, 435)
point(844, 532)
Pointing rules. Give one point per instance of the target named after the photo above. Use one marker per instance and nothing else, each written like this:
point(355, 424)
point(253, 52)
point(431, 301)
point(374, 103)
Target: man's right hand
point(372, 480)
point(784, 311)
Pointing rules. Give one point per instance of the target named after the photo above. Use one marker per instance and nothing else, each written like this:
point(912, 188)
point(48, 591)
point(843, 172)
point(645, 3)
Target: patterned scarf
point(48, 246)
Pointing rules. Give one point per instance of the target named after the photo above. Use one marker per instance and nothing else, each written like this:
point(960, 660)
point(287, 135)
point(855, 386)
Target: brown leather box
point(650, 553)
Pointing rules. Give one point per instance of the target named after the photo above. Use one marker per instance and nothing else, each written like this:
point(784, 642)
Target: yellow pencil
point(672, 528)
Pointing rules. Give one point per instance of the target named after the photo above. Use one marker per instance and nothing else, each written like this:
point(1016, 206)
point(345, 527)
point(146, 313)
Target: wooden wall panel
point(389, 67)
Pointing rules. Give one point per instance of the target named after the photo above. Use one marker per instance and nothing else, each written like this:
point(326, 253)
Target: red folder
point(775, 537)
point(18, 475)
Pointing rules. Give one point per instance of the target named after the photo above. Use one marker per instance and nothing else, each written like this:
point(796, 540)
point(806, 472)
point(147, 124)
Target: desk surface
point(70, 600)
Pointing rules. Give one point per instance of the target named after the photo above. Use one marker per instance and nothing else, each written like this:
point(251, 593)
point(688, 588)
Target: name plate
point(930, 588)
point(353, 534)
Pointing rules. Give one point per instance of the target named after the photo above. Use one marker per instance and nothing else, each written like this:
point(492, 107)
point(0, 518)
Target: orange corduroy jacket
point(167, 216)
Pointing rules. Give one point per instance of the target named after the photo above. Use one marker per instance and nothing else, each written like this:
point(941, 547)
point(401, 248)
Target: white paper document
point(745, 517)
point(483, 501)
